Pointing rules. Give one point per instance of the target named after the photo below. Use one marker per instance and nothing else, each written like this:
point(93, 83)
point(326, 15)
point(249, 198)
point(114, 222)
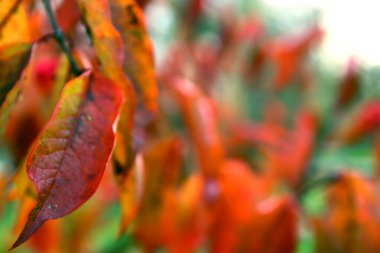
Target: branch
point(60, 38)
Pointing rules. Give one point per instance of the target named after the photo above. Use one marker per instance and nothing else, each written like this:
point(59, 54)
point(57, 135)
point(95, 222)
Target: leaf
point(7, 7)
point(156, 169)
point(131, 193)
point(201, 119)
point(18, 21)
point(143, 3)
point(365, 122)
point(107, 42)
point(290, 159)
point(352, 220)
point(245, 220)
point(108, 46)
point(68, 15)
point(274, 227)
point(61, 76)
point(349, 85)
point(195, 9)
point(138, 60)
point(232, 198)
point(21, 185)
point(13, 59)
point(288, 54)
point(50, 229)
point(69, 159)
point(179, 223)
point(7, 106)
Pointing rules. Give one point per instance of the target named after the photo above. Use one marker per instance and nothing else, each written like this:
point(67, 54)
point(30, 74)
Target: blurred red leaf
point(244, 220)
point(201, 119)
point(288, 54)
point(180, 224)
point(274, 227)
point(195, 9)
point(289, 160)
point(366, 121)
point(155, 171)
point(349, 85)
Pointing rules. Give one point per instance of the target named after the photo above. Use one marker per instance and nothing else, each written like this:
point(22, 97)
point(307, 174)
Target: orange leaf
point(201, 119)
point(352, 221)
point(138, 49)
point(6, 10)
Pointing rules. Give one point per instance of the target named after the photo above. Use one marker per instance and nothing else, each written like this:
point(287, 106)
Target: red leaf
point(287, 55)
point(201, 118)
point(68, 15)
point(69, 159)
point(365, 122)
point(274, 227)
point(109, 49)
point(349, 85)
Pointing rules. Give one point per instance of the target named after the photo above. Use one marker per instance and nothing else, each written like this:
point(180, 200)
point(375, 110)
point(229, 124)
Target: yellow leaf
point(138, 63)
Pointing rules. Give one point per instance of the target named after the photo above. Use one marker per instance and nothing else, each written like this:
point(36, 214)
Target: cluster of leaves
point(221, 161)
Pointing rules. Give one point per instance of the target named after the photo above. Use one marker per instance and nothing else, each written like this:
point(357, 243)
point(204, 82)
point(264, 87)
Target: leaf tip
point(34, 222)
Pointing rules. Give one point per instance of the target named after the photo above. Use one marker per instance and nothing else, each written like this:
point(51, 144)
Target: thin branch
point(60, 38)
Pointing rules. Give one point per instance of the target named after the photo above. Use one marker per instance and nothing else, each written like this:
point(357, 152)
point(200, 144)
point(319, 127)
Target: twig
point(60, 38)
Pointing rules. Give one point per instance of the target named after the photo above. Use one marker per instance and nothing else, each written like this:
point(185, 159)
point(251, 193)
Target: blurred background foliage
point(218, 44)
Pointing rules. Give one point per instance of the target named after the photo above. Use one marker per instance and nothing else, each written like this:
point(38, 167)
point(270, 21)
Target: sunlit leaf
point(7, 8)
point(138, 51)
point(13, 59)
point(18, 21)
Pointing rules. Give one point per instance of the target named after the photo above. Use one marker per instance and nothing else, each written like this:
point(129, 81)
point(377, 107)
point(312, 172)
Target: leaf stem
point(60, 38)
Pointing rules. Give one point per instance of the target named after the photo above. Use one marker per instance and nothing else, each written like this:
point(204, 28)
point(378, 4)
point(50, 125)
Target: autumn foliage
point(218, 148)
